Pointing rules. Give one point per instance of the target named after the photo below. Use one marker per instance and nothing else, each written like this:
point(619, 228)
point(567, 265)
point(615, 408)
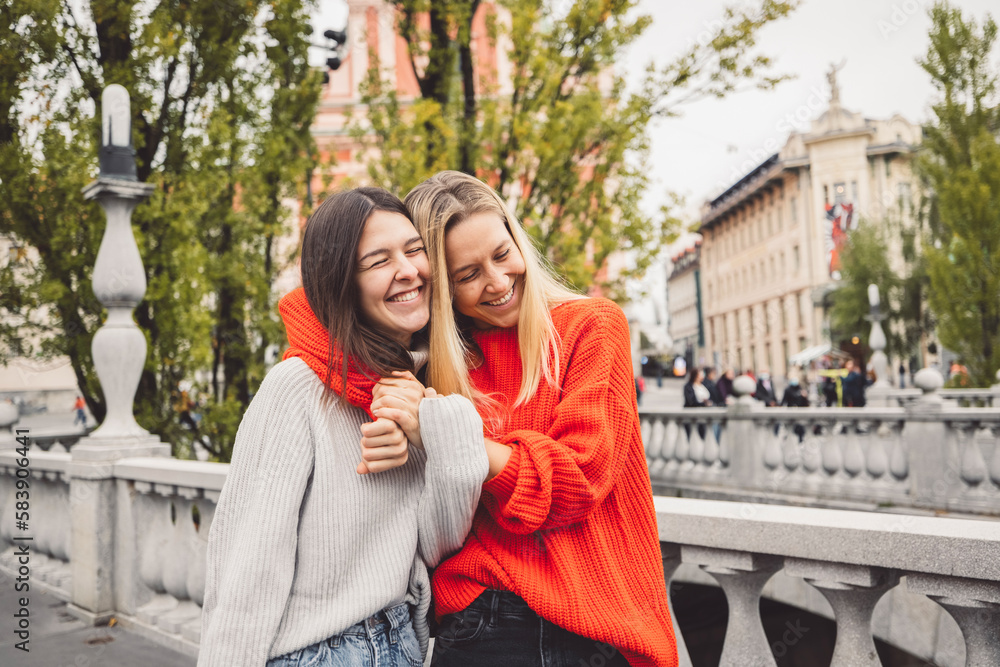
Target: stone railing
point(45, 487)
point(159, 511)
point(927, 455)
point(852, 559)
point(966, 398)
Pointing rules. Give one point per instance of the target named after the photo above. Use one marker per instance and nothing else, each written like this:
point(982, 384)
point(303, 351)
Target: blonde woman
point(563, 560)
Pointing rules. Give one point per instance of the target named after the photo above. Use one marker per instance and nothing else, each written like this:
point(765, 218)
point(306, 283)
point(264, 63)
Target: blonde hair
point(447, 199)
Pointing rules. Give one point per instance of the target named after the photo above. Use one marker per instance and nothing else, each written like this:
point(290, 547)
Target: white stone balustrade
point(928, 455)
point(49, 517)
point(951, 567)
point(854, 559)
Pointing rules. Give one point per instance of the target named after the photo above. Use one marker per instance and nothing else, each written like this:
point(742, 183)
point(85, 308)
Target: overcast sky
point(714, 142)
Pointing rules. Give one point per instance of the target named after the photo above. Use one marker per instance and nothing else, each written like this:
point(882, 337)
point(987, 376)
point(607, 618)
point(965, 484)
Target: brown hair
point(329, 277)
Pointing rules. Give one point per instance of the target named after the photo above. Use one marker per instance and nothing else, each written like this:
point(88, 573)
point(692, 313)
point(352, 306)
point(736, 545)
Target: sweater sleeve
point(253, 540)
point(456, 468)
point(557, 477)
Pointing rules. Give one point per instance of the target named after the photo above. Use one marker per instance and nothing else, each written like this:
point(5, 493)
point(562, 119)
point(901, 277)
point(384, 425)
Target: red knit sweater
point(569, 524)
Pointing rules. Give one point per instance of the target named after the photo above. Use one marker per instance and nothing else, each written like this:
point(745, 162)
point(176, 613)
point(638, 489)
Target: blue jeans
point(499, 629)
point(385, 639)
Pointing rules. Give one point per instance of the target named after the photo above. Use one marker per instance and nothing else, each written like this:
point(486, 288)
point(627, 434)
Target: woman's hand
point(383, 446)
point(398, 398)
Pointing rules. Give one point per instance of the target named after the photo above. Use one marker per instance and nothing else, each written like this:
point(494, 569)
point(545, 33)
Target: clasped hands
point(395, 405)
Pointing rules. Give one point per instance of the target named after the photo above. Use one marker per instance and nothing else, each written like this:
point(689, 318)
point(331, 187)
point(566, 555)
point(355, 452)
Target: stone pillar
point(926, 441)
point(119, 350)
point(744, 449)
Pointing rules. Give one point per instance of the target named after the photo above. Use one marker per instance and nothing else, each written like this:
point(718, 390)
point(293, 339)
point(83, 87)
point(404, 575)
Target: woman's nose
point(406, 270)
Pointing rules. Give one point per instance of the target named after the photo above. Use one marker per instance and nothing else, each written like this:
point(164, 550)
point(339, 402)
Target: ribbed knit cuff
point(452, 432)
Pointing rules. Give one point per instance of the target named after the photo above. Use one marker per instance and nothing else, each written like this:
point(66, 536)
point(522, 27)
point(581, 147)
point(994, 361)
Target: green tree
point(865, 261)
point(567, 141)
point(960, 165)
point(222, 104)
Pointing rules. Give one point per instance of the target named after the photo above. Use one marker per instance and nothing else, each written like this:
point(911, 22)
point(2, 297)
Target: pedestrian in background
point(725, 386)
point(765, 389)
point(715, 396)
point(81, 414)
point(853, 386)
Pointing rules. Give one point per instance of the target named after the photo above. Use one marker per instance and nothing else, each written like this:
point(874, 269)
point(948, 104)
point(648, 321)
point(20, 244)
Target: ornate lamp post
point(119, 281)
point(119, 350)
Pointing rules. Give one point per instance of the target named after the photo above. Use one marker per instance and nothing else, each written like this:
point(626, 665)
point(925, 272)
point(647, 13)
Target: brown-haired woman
point(318, 552)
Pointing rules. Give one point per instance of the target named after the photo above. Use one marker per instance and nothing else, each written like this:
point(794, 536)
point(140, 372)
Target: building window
point(801, 300)
point(839, 193)
point(904, 197)
point(854, 191)
point(784, 318)
point(888, 167)
point(826, 194)
point(779, 219)
point(794, 210)
point(784, 351)
point(795, 260)
point(802, 343)
point(783, 266)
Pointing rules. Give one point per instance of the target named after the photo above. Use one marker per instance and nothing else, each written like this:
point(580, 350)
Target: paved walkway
point(58, 639)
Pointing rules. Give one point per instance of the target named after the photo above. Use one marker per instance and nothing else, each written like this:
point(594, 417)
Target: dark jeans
point(499, 629)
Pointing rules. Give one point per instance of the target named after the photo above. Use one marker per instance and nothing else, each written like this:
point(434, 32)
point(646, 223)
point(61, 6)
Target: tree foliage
point(566, 141)
point(222, 105)
point(902, 294)
point(960, 165)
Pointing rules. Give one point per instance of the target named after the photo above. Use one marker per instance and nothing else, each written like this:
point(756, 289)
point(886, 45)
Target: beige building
point(771, 242)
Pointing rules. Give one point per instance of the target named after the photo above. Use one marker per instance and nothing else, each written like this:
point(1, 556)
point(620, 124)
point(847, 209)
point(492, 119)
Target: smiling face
point(392, 276)
point(486, 270)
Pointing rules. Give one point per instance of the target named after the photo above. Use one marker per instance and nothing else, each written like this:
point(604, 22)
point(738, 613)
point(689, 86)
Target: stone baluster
point(672, 432)
point(852, 591)
point(724, 455)
point(696, 447)
point(711, 452)
point(973, 466)
point(833, 459)
point(742, 576)
point(995, 459)
point(154, 525)
point(183, 565)
point(812, 447)
point(671, 554)
point(878, 458)
point(899, 463)
point(975, 606)
point(683, 443)
point(772, 444)
point(654, 446)
point(854, 455)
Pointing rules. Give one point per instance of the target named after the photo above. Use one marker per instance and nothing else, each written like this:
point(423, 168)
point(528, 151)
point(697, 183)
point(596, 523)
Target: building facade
point(684, 298)
point(772, 241)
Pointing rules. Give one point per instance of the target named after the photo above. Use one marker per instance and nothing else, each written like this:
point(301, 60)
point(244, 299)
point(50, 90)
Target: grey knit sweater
point(302, 547)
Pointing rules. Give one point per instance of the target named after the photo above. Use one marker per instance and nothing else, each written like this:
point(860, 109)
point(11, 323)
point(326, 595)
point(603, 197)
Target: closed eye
point(502, 256)
point(414, 251)
point(467, 277)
